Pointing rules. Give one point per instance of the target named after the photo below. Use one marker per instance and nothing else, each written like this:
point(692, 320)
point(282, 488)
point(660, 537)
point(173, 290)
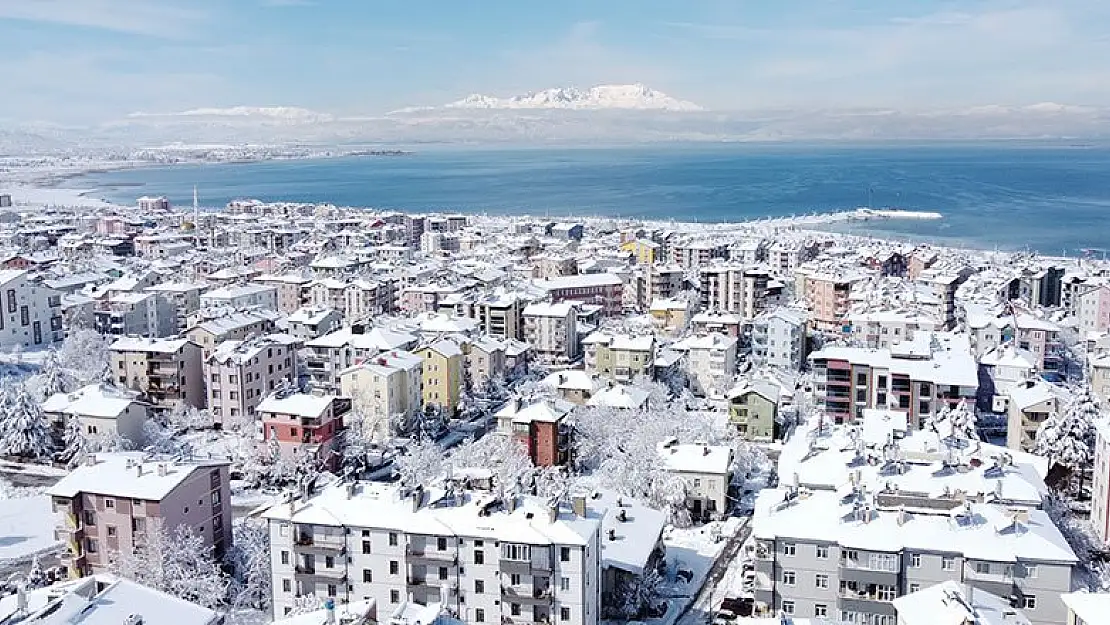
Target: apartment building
point(818, 553)
point(292, 290)
point(543, 427)
point(485, 360)
point(102, 598)
point(308, 323)
point(707, 471)
point(1035, 335)
point(328, 293)
point(784, 257)
point(737, 289)
point(386, 390)
point(365, 299)
point(234, 326)
point(696, 253)
point(102, 411)
point(883, 328)
point(710, 363)
point(330, 354)
point(185, 298)
point(552, 331)
point(1028, 405)
point(489, 559)
point(956, 603)
point(500, 316)
point(827, 295)
point(619, 357)
point(753, 409)
point(1100, 482)
point(30, 314)
point(1093, 307)
point(778, 339)
point(304, 425)
point(918, 377)
point(603, 289)
point(241, 373)
point(669, 316)
point(167, 371)
point(443, 369)
point(663, 282)
point(136, 314)
point(728, 324)
point(1086, 608)
point(241, 296)
point(943, 284)
point(109, 503)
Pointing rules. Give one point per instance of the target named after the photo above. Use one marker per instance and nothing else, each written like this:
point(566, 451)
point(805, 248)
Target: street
point(700, 610)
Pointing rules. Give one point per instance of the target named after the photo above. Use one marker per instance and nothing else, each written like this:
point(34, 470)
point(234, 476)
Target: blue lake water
point(1050, 198)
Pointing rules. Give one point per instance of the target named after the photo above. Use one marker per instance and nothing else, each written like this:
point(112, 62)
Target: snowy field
point(26, 528)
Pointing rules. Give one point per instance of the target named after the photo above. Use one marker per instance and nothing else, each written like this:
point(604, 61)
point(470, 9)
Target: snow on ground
point(12, 468)
point(26, 528)
point(695, 550)
point(24, 197)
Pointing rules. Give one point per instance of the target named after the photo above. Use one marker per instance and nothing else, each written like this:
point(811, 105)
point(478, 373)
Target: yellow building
point(646, 252)
point(443, 374)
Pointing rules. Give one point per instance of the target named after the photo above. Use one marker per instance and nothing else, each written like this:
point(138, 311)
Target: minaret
point(196, 219)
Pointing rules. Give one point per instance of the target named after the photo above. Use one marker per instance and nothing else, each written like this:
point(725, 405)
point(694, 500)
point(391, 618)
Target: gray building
point(136, 314)
point(848, 555)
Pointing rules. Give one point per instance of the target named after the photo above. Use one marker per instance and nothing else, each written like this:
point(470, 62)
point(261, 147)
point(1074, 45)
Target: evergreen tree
point(25, 432)
point(76, 445)
point(1068, 440)
point(53, 378)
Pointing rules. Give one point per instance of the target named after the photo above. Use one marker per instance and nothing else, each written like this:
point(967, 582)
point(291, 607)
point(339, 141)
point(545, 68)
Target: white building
point(952, 603)
point(102, 411)
point(386, 388)
point(779, 338)
point(488, 559)
point(710, 363)
point(308, 323)
point(103, 598)
point(883, 328)
point(707, 471)
point(240, 374)
point(241, 296)
point(30, 314)
point(733, 289)
point(551, 329)
point(1100, 486)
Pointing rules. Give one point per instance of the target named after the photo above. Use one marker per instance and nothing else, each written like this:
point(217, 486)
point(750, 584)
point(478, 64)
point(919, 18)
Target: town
point(303, 414)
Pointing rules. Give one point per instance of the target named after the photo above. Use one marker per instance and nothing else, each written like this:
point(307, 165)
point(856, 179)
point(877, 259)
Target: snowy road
point(698, 611)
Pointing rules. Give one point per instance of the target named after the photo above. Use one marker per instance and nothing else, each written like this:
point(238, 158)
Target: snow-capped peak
point(636, 96)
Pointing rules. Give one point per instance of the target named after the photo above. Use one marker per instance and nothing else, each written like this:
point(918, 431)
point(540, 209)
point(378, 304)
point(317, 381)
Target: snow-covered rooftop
point(118, 475)
point(951, 603)
point(695, 457)
point(298, 404)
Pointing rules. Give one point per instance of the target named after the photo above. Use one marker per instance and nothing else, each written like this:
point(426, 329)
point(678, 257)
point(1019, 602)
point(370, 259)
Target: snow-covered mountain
point(290, 114)
point(627, 97)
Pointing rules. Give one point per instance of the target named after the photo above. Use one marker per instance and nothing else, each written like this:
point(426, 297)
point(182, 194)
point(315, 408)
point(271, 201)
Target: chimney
point(579, 504)
point(162, 471)
point(138, 469)
point(902, 516)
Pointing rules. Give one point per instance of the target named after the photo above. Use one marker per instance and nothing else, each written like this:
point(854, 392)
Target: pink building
point(109, 504)
point(1093, 309)
point(603, 289)
point(304, 424)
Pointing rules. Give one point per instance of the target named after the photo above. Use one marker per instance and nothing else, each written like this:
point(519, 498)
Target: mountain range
point(619, 97)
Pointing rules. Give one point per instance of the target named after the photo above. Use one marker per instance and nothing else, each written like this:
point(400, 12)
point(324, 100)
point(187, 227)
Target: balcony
point(304, 569)
point(319, 542)
point(526, 595)
point(417, 555)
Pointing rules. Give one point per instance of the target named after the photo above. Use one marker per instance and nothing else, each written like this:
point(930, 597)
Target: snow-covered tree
point(421, 462)
point(955, 423)
point(504, 456)
point(634, 595)
point(305, 604)
point(1068, 440)
point(160, 440)
point(25, 431)
point(249, 559)
point(75, 443)
point(52, 377)
point(184, 417)
point(176, 562)
point(85, 353)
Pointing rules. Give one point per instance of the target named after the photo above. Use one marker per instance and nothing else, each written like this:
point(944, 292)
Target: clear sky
point(77, 61)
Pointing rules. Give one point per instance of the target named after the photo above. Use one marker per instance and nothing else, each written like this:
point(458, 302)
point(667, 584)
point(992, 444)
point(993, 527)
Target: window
point(789, 549)
point(479, 586)
point(479, 556)
point(789, 578)
point(823, 552)
point(138, 525)
point(820, 610)
point(915, 560)
point(332, 590)
point(110, 504)
point(392, 539)
point(285, 557)
point(111, 530)
point(479, 616)
point(564, 614)
point(1029, 602)
point(821, 580)
point(564, 554)
point(441, 544)
point(394, 568)
point(564, 584)
point(514, 609)
point(514, 579)
point(367, 576)
point(90, 517)
point(849, 555)
point(366, 546)
point(442, 573)
point(983, 568)
point(329, 562)
point(788, 607)
point(915, 587)
point(1030, 571)
point(91, 545)
point(394, 596)
point(948, 563)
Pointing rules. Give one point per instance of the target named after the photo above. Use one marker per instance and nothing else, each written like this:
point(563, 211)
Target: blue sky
point(80, 61)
